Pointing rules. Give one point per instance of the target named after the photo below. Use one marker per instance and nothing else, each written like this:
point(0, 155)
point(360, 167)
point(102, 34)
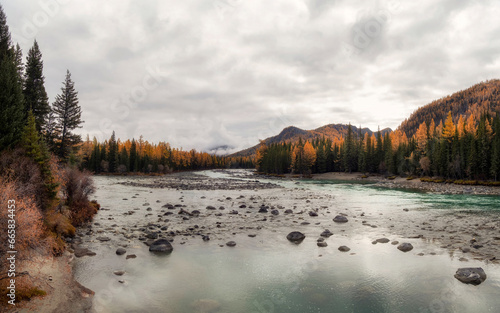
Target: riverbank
point(414, 184)
point(54, 275)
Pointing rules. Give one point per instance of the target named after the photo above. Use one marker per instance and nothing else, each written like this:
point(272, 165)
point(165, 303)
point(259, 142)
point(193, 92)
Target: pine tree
point(113, 154)
point(35, 96)
point(133, 156)
point(12, 116)
point(51, 131)
point(19, 63)
point(68, 117)
point(35, 149)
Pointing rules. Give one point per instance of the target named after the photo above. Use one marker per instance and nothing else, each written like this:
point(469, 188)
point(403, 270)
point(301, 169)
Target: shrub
point(29, 226)
point(77, 188)
point(16, 166)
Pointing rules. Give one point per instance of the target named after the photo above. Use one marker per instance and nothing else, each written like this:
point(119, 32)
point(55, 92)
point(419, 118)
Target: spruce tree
point(18, 53)
point(68, 117)
point(35, 96)
point(12, 116)
point(36, 149)
point(133, 156)
point(113, 154)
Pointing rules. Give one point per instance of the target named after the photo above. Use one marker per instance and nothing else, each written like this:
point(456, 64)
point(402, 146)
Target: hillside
point(292, 134)
point(477, 99)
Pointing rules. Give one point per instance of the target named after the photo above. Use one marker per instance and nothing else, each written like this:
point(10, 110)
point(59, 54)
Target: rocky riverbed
point(243, 205)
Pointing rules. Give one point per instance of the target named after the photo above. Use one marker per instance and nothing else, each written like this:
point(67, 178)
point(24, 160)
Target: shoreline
point(55, 276)
point(403, 183)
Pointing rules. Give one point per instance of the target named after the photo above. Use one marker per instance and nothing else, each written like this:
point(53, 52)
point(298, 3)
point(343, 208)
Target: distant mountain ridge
point(292, 134)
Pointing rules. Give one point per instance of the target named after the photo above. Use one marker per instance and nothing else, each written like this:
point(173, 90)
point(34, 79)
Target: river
point(266, 273)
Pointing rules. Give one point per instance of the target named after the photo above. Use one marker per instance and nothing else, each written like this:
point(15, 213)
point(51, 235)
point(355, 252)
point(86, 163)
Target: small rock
point(295, 237)
point(405, 247)
point(382, 240)
point(130, 256)
point(312, 213)
point(340, 219)
point(322, 244)
point(230, 243)
point(344, 248)
point(121, 251)
point(161, 245)
point(119, 273)
point(326, 233)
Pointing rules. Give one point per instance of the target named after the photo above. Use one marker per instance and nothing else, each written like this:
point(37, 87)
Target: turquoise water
point(269, 274)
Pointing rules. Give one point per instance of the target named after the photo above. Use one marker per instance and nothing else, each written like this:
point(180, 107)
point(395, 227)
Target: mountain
point(480, 98)
point(292, 134)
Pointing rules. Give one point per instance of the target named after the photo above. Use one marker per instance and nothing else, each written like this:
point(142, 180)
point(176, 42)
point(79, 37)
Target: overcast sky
point(204, 73)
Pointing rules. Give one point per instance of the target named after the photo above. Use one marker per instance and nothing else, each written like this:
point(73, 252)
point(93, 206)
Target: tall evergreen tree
point(113, 154)
point(18, 53)
point(68, 117)
point(35, 96)
point(133, 156)
point(12, 116)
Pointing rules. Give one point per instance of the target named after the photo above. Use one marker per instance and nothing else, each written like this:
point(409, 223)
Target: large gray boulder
point(471, 275)
point(161, 245)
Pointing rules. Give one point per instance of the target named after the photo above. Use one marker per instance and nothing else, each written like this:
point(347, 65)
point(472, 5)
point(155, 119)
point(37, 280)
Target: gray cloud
point(203, 74)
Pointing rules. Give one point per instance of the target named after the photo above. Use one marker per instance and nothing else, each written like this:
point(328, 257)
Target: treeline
point(45, 195)
point(116, 156)
point(465, 149)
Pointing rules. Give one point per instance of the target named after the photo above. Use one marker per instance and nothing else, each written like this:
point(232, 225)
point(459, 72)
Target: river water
point(269, 274)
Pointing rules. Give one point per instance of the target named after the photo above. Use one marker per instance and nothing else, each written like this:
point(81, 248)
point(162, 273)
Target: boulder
point(382, 240)
point(121, 251)
point(340, 219)
point(161, 245)
point(405, 247)
point(471, 275)
point(326, 233)
point(344, 248)
point(295, 237)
